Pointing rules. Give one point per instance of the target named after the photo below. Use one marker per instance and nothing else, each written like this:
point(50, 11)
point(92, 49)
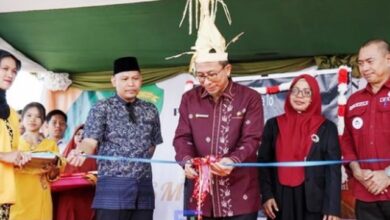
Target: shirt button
point(372, 142)
point(208, 139)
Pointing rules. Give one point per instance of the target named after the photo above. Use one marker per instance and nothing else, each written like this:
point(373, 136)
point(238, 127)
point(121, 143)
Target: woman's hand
point(270, 207)
point(17, 158)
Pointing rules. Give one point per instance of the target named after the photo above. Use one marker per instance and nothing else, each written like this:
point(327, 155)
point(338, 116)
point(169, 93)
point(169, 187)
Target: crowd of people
point(221, 123)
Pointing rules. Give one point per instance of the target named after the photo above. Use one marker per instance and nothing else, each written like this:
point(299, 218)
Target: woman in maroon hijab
point(75, 204)
point(301, 134)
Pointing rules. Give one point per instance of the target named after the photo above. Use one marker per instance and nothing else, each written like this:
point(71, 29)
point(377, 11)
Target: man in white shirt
point(56, 127)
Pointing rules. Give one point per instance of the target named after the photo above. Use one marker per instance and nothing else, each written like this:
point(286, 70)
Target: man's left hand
point(220, 168)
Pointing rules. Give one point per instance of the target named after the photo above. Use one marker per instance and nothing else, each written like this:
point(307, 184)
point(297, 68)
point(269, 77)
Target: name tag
point(201, 116)
point(358, 104)
point(384, 99)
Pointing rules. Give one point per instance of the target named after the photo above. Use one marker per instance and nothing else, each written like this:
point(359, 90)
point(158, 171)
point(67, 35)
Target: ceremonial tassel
point(273, 89)
point(342, 98)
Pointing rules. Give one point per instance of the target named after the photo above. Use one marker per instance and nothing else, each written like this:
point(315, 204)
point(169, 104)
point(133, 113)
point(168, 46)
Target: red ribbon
point(202, 181)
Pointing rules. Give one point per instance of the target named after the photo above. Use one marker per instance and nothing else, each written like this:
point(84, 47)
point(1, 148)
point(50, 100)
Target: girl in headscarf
point(74, 204)
point(301, 134)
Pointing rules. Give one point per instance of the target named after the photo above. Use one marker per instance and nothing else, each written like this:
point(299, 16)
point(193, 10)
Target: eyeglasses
point(211, 76)
point(304, 92)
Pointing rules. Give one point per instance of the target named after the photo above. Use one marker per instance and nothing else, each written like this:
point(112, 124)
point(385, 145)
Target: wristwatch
point(387, 171)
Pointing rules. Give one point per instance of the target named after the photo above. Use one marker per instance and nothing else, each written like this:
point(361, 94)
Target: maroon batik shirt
point(231, 127)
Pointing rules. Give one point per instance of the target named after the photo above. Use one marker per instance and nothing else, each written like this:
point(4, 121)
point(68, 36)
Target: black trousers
point(252, 216)
point(372, 210)
point(124, 214)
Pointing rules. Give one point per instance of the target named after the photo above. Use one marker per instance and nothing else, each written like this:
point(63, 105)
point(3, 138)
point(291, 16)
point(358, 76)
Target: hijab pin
point(315, 138)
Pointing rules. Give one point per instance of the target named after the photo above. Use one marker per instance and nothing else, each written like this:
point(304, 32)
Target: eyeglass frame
point(210, 75)
point(302, 92)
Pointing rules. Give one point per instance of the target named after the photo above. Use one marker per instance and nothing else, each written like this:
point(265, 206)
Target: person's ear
point(388, 59)
point(113, 81)
point(142, 79)
point(228, 69)
point(45, 129)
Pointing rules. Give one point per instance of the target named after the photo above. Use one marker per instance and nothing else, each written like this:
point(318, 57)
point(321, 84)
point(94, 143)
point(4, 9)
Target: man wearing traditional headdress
point(221, 123)
point(224, 120)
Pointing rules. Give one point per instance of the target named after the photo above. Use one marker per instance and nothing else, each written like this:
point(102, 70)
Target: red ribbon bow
point(202, 181)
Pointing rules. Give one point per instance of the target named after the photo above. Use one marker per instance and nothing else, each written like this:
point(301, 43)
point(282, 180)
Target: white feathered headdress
point(210, 45)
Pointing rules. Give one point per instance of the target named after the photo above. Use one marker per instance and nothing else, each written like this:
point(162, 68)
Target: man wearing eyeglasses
point(223, 120)
point(122, 126)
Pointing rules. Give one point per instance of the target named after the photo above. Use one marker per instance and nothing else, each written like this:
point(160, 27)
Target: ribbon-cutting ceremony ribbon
point(262, 164)
point(202, 181)
point(254, 164)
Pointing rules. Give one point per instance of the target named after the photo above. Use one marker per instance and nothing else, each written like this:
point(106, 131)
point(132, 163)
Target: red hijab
point(295, 133)
point(89, 164)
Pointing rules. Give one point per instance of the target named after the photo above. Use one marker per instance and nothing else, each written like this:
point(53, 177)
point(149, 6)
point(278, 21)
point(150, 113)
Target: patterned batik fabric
point(4, 211)
point(229, 127)
point(108, 122)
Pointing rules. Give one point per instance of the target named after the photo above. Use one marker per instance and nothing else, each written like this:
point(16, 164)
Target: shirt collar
point(387, 84)
point(228, 92)
point(123, 101)
point(369, 87)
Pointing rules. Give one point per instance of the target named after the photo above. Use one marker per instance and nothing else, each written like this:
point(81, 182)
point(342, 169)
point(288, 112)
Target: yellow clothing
point(7, 184)
point(33, 196)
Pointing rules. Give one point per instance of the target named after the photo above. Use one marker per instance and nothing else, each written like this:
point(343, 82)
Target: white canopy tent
point(33, 5)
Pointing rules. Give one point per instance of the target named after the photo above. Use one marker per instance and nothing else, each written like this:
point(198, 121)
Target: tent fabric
point(88, 39)
point(84, 41)
point(329, 62)
point(101, 80)
point(28, 65)
point(33, 5)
